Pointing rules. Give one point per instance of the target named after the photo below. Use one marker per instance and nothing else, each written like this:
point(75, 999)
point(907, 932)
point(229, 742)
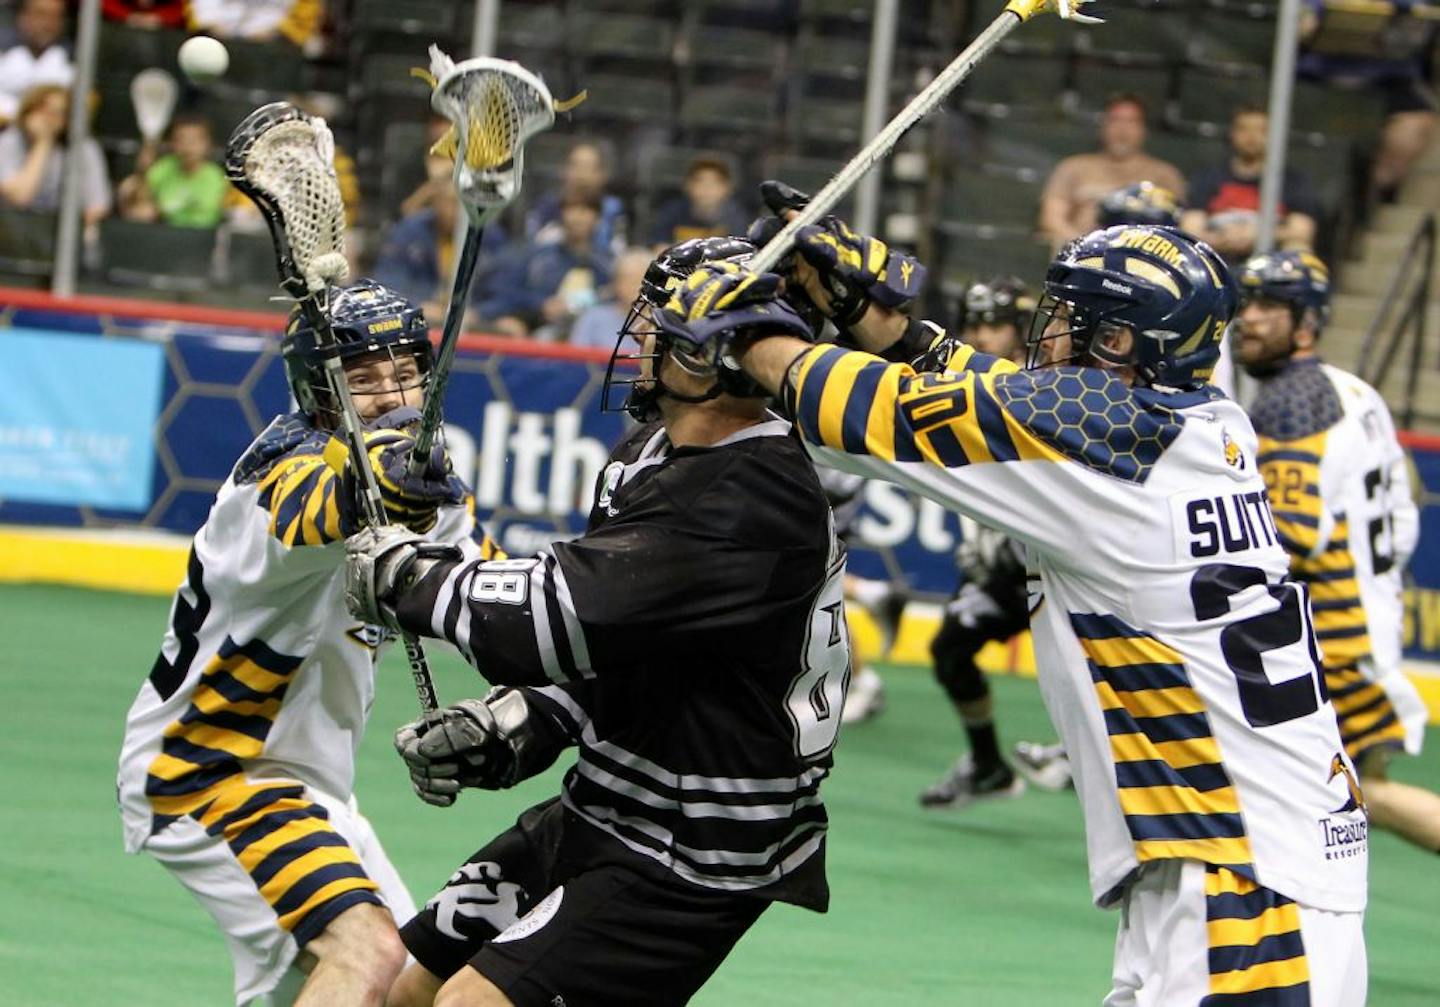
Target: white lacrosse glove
point(381, 564)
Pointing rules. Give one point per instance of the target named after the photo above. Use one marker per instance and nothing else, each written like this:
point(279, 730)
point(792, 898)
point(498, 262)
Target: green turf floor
point(988, 907)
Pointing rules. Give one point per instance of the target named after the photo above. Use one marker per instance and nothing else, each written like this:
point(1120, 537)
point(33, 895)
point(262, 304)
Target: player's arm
point(591, 607)
point(312, 496)
point(1294, 481)
point(491, 743)
point(1401, 499)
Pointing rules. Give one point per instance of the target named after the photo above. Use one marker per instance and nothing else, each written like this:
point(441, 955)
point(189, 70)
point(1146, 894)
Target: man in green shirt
point(184, 188)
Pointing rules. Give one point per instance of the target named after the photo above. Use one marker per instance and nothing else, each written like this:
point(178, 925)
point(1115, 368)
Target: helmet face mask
point(1151, 299)
point(1063, 333)
point(641, 340)
point(371, 324)
point(1293, 283)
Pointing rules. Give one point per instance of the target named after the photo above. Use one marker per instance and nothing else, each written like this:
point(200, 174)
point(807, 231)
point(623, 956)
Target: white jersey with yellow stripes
point(1176, 660)
point(1340, 489)
point(263, 676)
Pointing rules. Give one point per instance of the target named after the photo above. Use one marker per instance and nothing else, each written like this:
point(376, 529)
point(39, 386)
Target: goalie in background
point(237, 766)
point(692, 646)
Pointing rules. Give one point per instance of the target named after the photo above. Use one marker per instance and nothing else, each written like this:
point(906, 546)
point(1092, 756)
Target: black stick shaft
point(432, 413)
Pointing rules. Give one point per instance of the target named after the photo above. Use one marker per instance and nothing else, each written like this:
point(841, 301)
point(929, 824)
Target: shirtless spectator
point(1071, 199)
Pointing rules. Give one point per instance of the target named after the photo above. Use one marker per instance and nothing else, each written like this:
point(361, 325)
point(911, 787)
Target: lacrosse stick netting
point(495, 105)
point(284, 160)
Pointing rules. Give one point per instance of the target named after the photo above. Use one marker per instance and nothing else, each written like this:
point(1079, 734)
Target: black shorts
point(550, 927)
point(1408, 94)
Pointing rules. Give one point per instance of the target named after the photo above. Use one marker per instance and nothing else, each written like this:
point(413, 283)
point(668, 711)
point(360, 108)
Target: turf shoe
point(964, 785)
point(1046, 766)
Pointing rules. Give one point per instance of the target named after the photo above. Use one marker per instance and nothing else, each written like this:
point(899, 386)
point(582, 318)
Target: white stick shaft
point(885, 140)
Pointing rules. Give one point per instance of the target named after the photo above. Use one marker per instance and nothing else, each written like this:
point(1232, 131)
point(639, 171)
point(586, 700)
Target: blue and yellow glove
point(412, 501)
point(858, 270)
point(720, 309)
point(854, 269)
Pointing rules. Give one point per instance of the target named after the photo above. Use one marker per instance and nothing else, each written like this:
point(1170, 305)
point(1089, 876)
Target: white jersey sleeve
point(263, 678)
point(1175, 658)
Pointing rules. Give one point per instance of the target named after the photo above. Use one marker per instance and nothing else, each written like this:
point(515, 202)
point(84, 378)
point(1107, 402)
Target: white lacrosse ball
point(203, 58)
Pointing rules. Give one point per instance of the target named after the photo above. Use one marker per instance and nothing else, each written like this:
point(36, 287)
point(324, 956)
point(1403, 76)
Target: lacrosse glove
point(381, 564)
point(719, 310)
point(412, 501)
point(490, 744)
point(858, 270)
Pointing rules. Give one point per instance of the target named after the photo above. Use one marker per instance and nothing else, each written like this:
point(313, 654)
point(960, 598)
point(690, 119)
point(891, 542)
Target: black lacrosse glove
point(719, 310)
point(779, 199)
point(412, 501)
point(489, 744)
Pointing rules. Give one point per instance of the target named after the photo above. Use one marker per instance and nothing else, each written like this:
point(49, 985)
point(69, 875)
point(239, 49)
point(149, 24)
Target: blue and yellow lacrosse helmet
point(1299, 279)
point(367, 318)
point(1172, 294)
point(1141, 203)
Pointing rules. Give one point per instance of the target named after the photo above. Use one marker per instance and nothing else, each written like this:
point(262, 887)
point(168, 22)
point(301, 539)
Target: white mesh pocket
point(495, 105)
point(293, 162)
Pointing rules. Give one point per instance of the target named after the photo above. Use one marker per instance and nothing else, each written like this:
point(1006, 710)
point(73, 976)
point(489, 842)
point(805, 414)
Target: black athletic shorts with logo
point(551, 912)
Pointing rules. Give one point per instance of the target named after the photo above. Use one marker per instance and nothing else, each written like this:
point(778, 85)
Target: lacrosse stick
point(153, 93)
point(1016, 13)
point(494, 106)
point(283, 159)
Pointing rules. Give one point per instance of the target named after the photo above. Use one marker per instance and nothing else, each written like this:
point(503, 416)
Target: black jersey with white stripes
point(692, 642)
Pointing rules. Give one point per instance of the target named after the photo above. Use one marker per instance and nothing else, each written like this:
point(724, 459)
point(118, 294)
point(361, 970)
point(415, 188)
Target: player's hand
point(376, 562)
point(412, 501)
point(720, 309)
point(854, 271)
point(454, 748)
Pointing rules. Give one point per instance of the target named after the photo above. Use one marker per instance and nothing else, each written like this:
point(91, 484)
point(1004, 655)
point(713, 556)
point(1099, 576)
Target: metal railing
point(1412, 300)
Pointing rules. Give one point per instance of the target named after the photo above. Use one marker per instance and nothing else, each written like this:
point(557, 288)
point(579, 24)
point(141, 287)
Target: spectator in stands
point(145, 13)
point(707, 209)
point(39, 56)
point(1069, 204)
point(184, 188)
point(257, 20)
point(600, 323)
point(1398, 62)
point(586, 174)
point(1225, 200)
point(417, 257)
point(32, 155)
point(548, 284)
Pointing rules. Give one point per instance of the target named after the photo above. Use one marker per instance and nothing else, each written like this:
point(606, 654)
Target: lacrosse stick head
point(153, 93)
point(496, 105)
point(284, 160)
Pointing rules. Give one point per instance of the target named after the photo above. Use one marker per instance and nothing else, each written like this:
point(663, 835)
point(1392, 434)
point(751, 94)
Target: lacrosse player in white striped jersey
point(237, 768)
point(1175, 656)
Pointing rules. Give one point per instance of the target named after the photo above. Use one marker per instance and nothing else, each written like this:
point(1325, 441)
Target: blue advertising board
point(523, 427)
point(76, 419)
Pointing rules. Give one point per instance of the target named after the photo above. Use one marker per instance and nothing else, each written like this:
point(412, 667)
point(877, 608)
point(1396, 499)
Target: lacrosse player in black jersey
point(692, 646)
